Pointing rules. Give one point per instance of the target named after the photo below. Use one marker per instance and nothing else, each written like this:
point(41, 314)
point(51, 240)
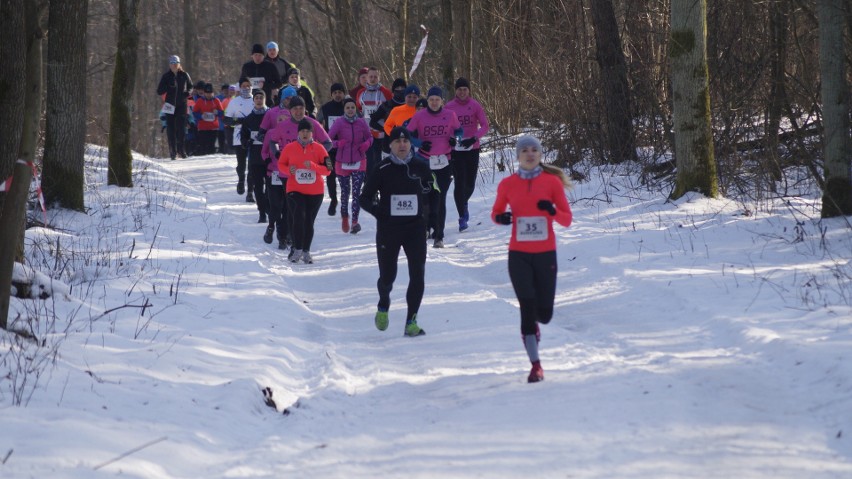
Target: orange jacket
point(307, 178)
point(398, 116)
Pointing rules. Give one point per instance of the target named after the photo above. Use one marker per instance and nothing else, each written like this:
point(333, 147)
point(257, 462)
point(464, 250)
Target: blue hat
point(272, 46)
point(435, 91)
point(412, 89)
point(288, 92)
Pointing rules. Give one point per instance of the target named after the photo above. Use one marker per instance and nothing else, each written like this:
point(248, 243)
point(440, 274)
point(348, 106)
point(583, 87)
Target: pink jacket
point(285, 133)
point(352, 140)
point(436, 128)
point(472, 118)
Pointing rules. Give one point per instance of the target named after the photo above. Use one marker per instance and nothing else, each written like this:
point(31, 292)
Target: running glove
point(504, 218)
point(547, 205)
point(426, 145)
point(468, 142)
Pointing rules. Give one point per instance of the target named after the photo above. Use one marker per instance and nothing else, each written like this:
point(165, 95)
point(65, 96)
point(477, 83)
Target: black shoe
point(332, 207)
point(182, 154)
point(241, 187)
point(249, 197)
point(262, 217)
point(267, 237)
point(282, 245)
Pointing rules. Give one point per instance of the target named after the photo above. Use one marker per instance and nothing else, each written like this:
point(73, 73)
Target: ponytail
point(556, 171)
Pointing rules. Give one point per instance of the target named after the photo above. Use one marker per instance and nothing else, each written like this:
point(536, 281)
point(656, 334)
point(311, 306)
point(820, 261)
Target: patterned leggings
point(353, 187)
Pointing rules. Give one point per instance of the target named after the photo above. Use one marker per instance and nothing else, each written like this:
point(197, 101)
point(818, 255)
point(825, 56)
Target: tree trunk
point(448, 36)
point(190, 35)
point(837, 145)
point(13, 201)
point(616, 91)
point(65, 135)
point(463, 45)
point(121, 103)
point(696, 165)
point(778, 14)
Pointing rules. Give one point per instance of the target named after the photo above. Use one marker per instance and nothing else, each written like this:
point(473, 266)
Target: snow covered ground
point(703, 338)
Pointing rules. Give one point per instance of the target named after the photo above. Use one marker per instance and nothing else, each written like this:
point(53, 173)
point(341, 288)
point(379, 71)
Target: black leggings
point(176, 131)
point(533, 276)
point(242, 155)
point(303, 210)
point(465, 170)
point(438, 201)
point(411, 239)
point(277, 215)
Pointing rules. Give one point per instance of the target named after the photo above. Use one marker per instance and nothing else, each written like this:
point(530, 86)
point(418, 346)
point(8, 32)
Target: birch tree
point(696, 165)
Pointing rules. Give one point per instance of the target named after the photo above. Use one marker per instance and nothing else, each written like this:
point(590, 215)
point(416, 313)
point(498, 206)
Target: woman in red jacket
point(536, 196)
point(305, 161)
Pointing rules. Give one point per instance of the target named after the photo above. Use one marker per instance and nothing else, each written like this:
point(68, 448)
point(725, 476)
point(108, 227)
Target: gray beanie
point(526, 141)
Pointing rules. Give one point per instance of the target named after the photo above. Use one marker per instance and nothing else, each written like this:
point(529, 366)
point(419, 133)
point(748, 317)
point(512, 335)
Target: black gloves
point(452, 141)
point(546, 205)
point(426, 145)
point(468, 142)
point(504, 218)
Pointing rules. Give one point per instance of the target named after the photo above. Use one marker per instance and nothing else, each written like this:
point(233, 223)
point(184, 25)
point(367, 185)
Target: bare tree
point(65, 135)
point(696, 165)
point(837, 145)
point(13, 203)
point(616, 91)
point(123, 83)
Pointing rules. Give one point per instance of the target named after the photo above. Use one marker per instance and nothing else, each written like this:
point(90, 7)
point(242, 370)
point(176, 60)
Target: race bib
point(276, 180)
point(208, 116)
point(369, 110)
point(168, 109)
point(437, 162)
point(306, 177)
point(257, 82)
point(253, 136)
point(331, 121)
point(351, 166)
point(531, 228)
point(403, 205)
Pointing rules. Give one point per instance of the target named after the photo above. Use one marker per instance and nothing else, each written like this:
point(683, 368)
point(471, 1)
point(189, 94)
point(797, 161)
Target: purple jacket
point(352, 140)
point(287, 131)
point(472, 118)
point(435, 127)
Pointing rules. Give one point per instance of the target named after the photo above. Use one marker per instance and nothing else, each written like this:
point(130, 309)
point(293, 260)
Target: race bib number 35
point(531, 228)
point(403, 205)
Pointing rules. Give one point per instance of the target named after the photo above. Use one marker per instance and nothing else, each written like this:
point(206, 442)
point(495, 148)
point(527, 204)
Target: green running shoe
point(381, 320)
point(412, 329)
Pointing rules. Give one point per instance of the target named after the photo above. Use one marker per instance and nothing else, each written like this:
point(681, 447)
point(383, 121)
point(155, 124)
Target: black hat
point(462, 82)
point(337, 87)
point(398, 83)
point(304, 124)
point(208, 88)
point(199, 85)
point(421, 103)
point(292, 71)
point(225, 86)
point(397, 133)
point(257, 48)
point(296, 101)
point(349, 99)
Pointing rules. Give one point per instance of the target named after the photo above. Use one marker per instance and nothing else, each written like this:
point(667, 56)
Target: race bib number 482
point(403, 205)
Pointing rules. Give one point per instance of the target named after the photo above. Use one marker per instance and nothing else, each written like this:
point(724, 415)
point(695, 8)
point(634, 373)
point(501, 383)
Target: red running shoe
point(536, 374)
point(344, 223)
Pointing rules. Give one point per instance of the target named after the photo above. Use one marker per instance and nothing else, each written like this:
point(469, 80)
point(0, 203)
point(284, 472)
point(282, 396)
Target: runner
point(437, 129)
point(238, 108)
point(466, 155)
point(305, 161)
point(536, 196)
point(262, 74)
point(206, 112)
point(327, 115)
point(368, 101)
point(249, 130)
point(175, 85)
point(396, 193)
point(294, 79)
point(351, 139)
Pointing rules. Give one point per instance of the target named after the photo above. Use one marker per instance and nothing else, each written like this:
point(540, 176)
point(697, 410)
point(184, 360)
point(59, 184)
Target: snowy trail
point(679, 348)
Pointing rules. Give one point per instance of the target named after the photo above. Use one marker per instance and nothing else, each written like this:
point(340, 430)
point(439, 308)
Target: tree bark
point(12, 202)
point(696, 165)
point(449, 38)
point(616, 90)
point(837, 145)
point(190, 34)
point(121, 104)
point(778, 14)
point(65, 135)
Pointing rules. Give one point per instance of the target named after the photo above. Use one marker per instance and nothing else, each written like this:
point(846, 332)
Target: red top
point(532, 228)
point(209, 110)
point(307, 179)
